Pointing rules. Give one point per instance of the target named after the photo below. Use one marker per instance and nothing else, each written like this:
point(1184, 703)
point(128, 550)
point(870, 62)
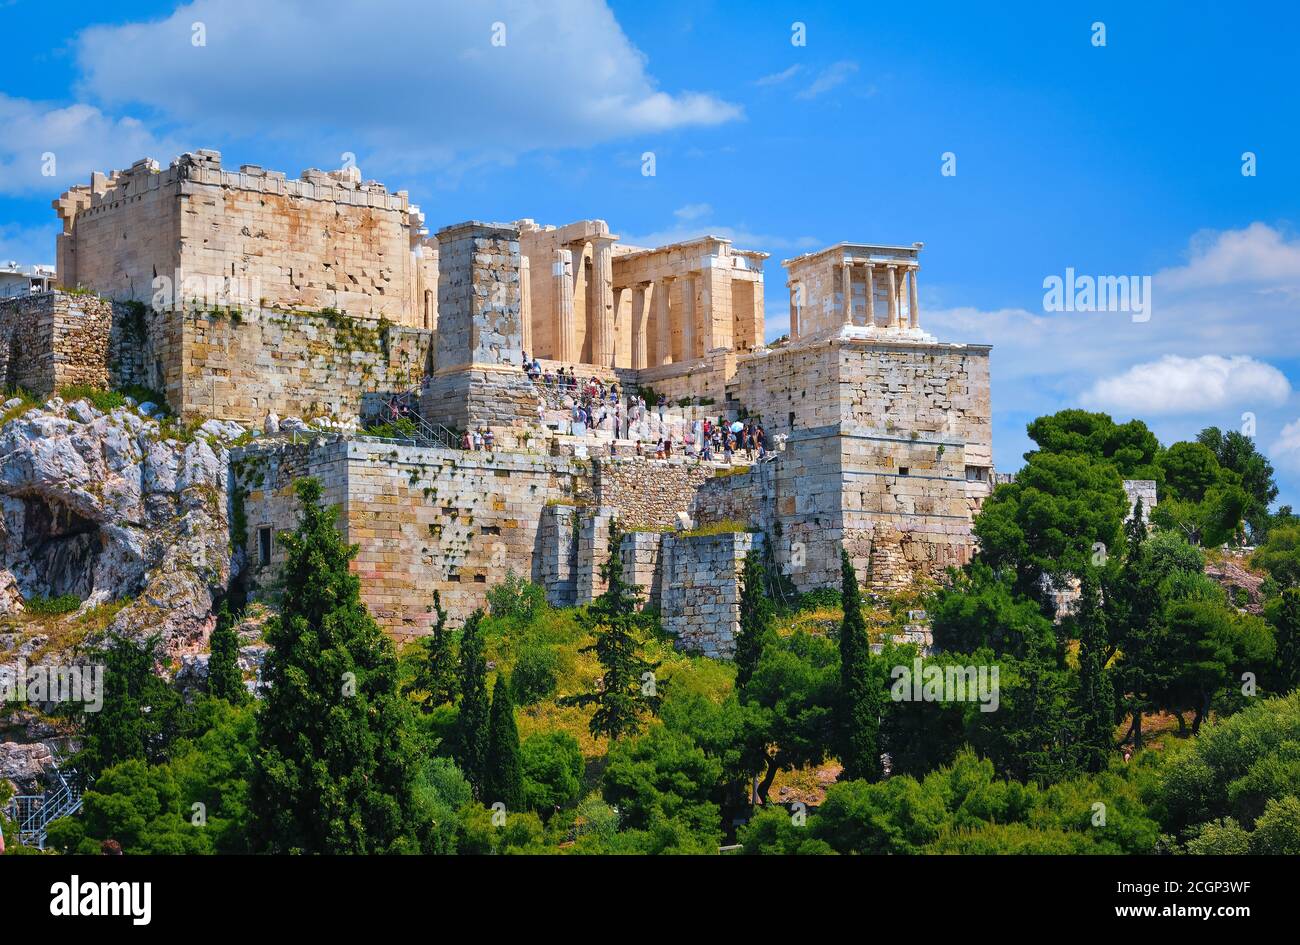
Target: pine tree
point(225, 680)
point(505, 773)
point(860, 699)
point(756, 615)
point(333, 773)
point(622, 698)
point(1096, 691)
point(436, 674)
point(472, 724)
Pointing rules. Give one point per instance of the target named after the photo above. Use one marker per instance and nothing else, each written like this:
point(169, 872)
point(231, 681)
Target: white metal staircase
point(33, 813)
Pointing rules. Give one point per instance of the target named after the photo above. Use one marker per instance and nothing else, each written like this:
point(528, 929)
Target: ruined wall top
point(343, 186)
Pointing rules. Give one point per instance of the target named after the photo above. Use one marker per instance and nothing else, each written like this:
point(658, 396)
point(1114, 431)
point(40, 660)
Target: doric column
point(848, 293)
point(893, 296)
point(526, 305)
point(602, 320)
point(663, 291)
point(871, 295)
point(562, 281)
point(639, 317)
point(914, 309)
point(688, 316)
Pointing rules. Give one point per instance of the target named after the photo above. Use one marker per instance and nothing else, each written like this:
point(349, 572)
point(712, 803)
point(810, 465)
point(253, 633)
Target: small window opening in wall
point(264, 545)
point(904, 470)
point(791, 419)
point(480, 578)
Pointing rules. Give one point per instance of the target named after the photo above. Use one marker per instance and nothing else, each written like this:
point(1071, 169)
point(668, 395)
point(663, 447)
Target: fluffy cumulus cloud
point(403, 84)
point(45, 146)
point(1285, 450)
point(1220, 335)
point(1175, 384)
point(1258, 256)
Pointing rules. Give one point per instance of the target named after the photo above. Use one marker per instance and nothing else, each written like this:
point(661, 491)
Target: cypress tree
point(859, 702)
point(505, 772)
point(333, 772)
point(436, 674)
point(472, 725)
point(756, 614)
point(225, 681)
point(1096, 691)
point(622, 697)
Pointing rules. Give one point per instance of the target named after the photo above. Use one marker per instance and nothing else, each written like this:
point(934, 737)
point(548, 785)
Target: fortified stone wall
point(328, 240)
point(294, 363)
point(53, 339)
point(701, 589)
point(425, 518)
point(647, 493)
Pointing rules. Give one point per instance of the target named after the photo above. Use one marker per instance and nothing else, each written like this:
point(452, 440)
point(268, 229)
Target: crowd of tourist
point(595, 405)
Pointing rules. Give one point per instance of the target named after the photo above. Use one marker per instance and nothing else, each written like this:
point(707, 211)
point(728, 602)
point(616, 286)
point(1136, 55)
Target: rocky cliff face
point(107, 505)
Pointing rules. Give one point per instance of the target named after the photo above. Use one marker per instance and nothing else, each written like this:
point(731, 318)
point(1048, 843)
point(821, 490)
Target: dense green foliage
point(1103, 638)
point(225, 679)
point(333, 769)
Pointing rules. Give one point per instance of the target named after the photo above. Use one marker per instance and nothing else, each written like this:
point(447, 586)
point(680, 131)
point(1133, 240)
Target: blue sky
point(1117, 160)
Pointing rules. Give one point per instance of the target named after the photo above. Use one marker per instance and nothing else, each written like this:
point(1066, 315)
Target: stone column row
point(896, 289)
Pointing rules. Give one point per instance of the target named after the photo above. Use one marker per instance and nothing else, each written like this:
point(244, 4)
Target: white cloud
point(1178, 385)
point(402, 84)
point(1256, 255)
point(833, 76)
point(1285, 451)
point(69, 141)
point(776, 78)
point(1236, 302)
point(697, 219)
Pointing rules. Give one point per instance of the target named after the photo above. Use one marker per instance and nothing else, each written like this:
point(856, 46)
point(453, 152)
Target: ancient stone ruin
point(284, 305)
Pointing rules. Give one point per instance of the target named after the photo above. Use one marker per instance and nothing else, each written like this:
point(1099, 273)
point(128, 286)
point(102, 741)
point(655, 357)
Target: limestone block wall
point(935, 390)
point(897, 387)
point(294, 363)
point(558, 547)
point(640, 553)
point(701, 589)
point(429, 518)
point(261, 494)
point(704, 378)
point(647, 493)
point(325, 240)
point(54, 339)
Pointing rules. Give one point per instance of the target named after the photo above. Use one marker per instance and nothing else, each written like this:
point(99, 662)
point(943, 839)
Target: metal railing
point(33, 813)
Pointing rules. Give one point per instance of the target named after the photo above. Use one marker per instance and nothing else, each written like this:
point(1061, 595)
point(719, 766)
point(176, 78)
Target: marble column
point(848, 293)
point(893, 296)
point(871, 294)
point(562, 279)
point(526, 306)
point(602, 320)
point(663, 291)
point(639, 317)
point(688, 317)
point(914, 310)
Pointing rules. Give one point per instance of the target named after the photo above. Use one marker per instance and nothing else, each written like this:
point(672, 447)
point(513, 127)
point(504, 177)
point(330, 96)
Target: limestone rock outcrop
point(106, 505)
